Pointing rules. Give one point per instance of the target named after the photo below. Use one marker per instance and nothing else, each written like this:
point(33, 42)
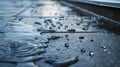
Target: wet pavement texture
point(52, 34)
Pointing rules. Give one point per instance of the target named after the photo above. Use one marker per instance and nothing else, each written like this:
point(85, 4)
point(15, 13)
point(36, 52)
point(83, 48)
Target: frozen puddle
point(22, 44)
point(18, 43)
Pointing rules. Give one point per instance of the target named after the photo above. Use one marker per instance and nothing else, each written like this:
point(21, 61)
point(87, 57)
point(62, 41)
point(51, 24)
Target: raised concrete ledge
point(108, 12)
point(114, 4)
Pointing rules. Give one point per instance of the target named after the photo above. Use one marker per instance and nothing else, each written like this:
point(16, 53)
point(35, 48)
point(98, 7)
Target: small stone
point(78, 24)
point(66, 45)
point(53, 25)
point(54, 37)
point(34, 11)
point(61, 24)
point(104, 47)
point(66, 35)
point(71, 30)
point(20, 19)
point(48, 21)
point(58, 22)
point(38, 30)
point(58, 27)
point(91, 40)
point(50, 28)
point(58, 49)
point(83, 50)
point(80, 40)
point(36, 38)
point(85, 28)
point(38, 23)
point(91, 54)
point(66, 26)
point(81, 37)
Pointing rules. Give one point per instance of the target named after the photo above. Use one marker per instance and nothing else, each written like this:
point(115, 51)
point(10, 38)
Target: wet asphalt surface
point(53, 34)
